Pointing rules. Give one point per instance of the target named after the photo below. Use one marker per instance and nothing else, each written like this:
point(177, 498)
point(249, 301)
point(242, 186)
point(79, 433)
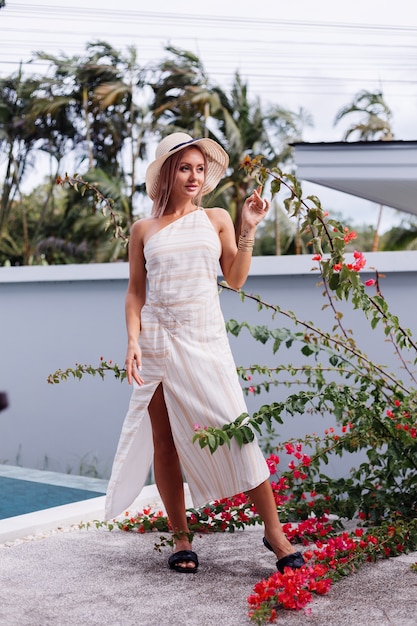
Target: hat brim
point(217, 163)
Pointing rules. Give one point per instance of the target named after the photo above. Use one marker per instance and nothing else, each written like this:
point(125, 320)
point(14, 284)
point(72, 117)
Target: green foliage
point(100, 111)
point(79, 370)
point(374, 409)
point(375, 413)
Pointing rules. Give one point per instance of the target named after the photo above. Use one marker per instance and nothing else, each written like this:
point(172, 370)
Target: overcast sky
point(315, 55)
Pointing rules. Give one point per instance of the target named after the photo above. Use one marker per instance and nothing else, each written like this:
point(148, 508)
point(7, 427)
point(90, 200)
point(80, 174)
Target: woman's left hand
point(255, 208)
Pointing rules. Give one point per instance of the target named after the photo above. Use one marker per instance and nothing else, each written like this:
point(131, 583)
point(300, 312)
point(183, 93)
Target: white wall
point(53, 317)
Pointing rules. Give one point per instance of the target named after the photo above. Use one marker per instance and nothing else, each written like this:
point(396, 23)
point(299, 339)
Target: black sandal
point(294, 560)
point(183, 556)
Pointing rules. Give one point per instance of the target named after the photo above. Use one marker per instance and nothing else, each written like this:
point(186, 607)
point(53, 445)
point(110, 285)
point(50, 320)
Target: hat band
point(184, 143)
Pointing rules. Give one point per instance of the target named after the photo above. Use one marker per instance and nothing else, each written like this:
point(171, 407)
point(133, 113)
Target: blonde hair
point(166, 179)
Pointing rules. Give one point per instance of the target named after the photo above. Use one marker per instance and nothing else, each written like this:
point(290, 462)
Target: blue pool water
point(18, 496)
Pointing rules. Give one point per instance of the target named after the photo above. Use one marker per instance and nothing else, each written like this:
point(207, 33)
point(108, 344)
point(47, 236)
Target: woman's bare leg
point(263, 499)
point(167, 469)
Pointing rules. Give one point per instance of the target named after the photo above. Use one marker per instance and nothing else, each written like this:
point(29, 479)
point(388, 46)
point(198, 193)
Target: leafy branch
point(79, 370)
point(105, 204)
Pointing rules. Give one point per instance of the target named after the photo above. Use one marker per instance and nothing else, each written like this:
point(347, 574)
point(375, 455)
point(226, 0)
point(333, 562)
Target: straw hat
point(217, 160)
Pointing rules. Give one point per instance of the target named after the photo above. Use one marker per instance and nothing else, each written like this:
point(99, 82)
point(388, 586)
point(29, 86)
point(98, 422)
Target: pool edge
point(39, 522)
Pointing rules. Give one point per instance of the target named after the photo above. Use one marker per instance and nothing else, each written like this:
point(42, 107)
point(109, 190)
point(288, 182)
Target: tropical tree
point(19, 137)
point(73, 89)
point(185, 99)
point(373, 125)
point(85, 109)
point(401, 237)
point(129, 120)
point(91, 113)
point(250, 129)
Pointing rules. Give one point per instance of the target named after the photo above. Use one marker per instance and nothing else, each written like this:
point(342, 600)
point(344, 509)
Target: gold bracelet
point(245, 245)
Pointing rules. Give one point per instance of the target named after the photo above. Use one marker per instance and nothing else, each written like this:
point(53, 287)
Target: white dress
point(185, 347)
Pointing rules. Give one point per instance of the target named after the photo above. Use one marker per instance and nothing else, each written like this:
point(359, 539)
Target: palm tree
point(89, 108)
point(374, 125)
point(18, 139)
point(249, 129)
point(90, 103)
point(84, 108)
point(70, 92)
point(375, 121)
point(129, 120)
point(184, 99)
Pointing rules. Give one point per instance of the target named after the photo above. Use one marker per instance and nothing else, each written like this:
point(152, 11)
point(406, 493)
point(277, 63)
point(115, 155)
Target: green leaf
point(307, 350)
point(212, 442)
point(334, 281)
point(275, 186)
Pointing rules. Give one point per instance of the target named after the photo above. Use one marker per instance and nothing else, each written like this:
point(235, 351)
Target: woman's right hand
point(134, 364)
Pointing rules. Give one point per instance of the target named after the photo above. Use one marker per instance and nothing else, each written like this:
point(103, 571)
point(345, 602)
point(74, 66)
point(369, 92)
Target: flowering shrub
point(374, 411)
point(330, 554)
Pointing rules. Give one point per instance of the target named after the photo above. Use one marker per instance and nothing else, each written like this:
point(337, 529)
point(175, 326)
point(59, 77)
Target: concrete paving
point(79, 577)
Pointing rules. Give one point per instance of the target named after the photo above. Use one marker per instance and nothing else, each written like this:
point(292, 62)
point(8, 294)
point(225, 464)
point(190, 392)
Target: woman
point(178, 355)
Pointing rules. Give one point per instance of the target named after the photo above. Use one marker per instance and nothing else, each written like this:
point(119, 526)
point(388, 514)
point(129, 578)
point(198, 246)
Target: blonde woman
point(178, 356)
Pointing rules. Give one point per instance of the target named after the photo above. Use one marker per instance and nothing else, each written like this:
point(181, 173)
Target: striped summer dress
point(185, 347)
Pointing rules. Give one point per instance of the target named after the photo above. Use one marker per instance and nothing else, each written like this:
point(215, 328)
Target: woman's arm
point(135, 299)
point(235, 260)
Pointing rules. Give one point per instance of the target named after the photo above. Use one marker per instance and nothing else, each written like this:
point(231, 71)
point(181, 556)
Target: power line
point(281, 43)
point(222, 21)
point(357, 53)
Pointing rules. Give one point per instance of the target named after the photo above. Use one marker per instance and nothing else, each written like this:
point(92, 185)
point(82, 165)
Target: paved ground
point(96, 577)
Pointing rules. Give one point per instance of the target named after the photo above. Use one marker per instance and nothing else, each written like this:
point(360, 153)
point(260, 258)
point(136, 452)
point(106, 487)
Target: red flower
point(349, 236)
point(271, 465)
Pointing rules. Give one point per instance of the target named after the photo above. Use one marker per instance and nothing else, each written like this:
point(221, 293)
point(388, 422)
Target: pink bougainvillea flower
point(272, 466)
point(370, 282)
point(349, 236)
point(360, 261)
point(289, 448)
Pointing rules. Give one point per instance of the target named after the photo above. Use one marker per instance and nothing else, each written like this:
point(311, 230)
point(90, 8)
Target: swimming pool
point(25, 490)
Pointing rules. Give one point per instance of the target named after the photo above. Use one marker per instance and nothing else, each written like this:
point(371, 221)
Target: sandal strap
point(183, 556)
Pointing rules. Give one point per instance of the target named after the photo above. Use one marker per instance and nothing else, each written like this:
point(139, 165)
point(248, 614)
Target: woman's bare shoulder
point(218, 215)
point(220, 219)
point(141, 226)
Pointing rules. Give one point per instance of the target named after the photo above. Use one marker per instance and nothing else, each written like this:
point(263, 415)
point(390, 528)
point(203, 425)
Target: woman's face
point(190, 176)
